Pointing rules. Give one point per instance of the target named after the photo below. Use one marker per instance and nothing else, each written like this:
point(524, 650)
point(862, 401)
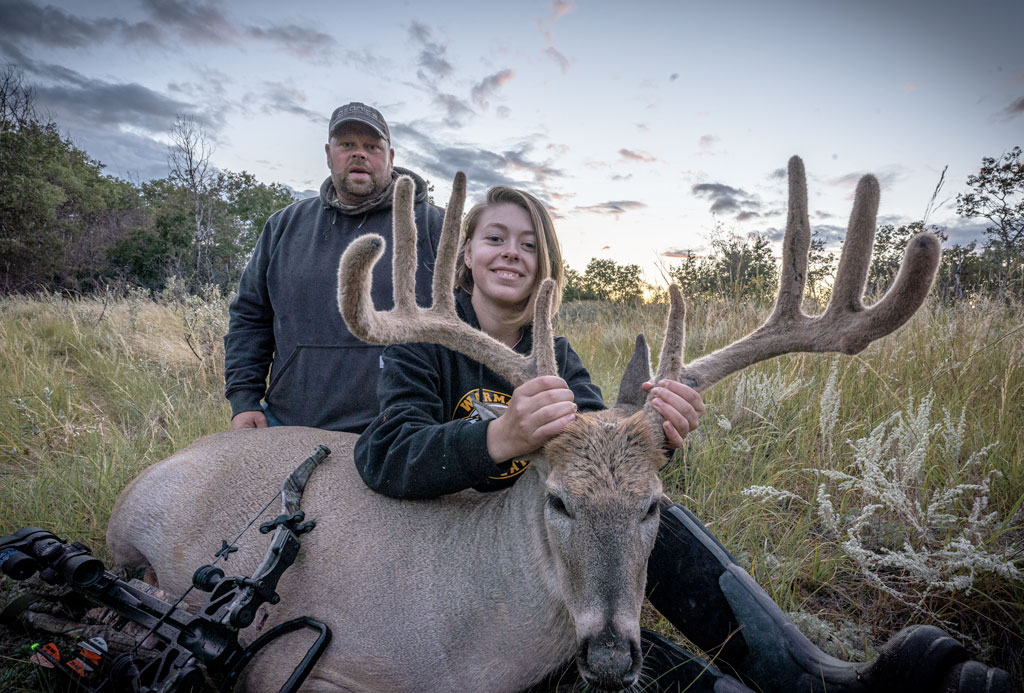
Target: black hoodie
point(286, 313)
point(427, 440)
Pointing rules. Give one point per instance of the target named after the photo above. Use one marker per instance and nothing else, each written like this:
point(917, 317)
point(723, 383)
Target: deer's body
point(404, 585)
point(481, 591)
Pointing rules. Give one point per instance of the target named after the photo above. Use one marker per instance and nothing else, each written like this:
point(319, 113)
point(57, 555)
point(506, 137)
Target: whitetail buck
point(482, 592)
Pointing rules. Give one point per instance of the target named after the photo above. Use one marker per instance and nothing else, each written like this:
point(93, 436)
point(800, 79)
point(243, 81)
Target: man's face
point(360, 162)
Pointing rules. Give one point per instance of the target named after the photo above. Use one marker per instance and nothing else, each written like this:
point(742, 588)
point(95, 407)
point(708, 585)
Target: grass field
point(864, 493)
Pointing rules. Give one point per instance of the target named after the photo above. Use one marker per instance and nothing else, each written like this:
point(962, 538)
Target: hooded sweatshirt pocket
point(327, 386)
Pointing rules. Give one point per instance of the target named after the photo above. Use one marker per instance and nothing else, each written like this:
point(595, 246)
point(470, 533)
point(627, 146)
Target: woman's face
point(502, 255)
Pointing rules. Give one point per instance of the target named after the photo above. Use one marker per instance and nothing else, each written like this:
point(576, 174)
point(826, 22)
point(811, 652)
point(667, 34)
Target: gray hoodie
point(285, 317)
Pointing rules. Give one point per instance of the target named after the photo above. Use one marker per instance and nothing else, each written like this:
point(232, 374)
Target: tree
point(736, 267)
point(606, 280)
point(997, 194)
point(574, 290)
point(189, 161)
point(59, 213)
point(17, 100)
point(248, 205)
point(821, 267)
point(963, 271)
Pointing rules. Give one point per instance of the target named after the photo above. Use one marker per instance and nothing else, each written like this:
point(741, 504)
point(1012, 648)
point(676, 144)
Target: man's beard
point(359, 189)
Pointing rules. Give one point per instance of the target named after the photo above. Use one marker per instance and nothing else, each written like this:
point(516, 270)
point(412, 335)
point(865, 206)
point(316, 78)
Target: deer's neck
point(510, 532)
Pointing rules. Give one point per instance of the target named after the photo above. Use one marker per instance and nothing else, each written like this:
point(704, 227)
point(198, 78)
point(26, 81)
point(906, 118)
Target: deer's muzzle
point(610, 661)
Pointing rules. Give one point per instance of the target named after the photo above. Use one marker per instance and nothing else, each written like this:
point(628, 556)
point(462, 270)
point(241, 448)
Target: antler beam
point(407, 322)
point(846, 326)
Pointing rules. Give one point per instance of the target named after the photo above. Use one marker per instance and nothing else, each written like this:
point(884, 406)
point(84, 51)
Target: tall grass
point(91, 393)
point(864, 493)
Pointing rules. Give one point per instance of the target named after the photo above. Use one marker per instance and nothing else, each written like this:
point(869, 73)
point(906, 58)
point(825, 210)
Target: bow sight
point(195, 651)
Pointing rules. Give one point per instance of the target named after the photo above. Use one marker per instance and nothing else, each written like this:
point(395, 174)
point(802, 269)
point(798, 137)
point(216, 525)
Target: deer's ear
point(638, 372)
point(539, 462)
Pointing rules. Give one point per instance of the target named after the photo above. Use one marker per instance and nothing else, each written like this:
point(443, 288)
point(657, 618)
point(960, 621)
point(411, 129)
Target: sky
point(644, 126)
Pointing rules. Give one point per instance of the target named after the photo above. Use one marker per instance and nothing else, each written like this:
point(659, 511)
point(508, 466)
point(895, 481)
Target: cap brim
point(369, 123)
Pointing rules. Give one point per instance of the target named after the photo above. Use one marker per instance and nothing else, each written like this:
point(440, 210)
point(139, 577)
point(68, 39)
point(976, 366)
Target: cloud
point(25, 22)
point(483, 168)
point(557, 56)
point(502, 111)
point(559, 9)
point(673, 77)
point(195, 22)
point(962, 231)
point(911, 87)
point(747, 216)
point(125, 154)
point(779, 174)
point(192, 23)
point(614, 207)
point(455, 109)
point(104, 103)
point(636, 155)
point(278, 97)
point(728, 200)
point(706, 141)
point(488, 85)
point(886, 177)
point(303, 42)
point(1015, 109)
point(432, 56)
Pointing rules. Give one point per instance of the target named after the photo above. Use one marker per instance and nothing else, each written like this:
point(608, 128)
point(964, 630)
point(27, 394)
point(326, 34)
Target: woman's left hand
point(681, 406)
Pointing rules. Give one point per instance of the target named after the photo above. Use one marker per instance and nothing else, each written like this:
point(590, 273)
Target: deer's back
point(400, 583)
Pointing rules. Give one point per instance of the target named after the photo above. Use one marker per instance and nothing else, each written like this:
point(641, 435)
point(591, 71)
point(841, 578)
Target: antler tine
point(795, 244)
point(852, 273)
point(670, 362)
point(846, 326)
point(542, 355)
point(403, 259)
point(448, 247)
point(407, 322)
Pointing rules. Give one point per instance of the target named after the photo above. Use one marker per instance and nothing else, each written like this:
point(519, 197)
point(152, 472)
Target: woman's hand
point(681, 406)
point(539, 410)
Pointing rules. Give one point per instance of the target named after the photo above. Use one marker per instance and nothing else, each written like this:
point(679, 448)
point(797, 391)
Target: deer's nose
point(609, 660)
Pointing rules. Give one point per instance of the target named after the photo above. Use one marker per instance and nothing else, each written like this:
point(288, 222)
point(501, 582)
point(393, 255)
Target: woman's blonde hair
point(549, 253)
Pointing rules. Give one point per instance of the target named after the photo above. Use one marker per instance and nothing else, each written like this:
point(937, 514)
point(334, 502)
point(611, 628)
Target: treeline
point(67, 226)
point(745, 267)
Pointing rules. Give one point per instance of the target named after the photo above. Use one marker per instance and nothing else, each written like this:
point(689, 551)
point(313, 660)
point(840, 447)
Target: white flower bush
point(910, 537)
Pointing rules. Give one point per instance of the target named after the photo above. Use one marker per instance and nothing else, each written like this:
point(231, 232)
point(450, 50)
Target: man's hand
point(249, 419)
point(681, 406)
point(539, 410)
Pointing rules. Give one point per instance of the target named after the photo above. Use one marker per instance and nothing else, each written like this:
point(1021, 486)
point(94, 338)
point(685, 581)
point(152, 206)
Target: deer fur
point(478, 591)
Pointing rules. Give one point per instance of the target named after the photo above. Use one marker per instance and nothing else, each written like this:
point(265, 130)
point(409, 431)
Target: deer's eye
point(652, 511)
point(558, 505)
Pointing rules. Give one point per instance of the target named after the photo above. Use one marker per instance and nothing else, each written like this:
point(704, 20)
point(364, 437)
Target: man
point(285, 319)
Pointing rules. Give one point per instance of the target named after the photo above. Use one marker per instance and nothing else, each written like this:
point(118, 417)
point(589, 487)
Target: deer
point(476, 591)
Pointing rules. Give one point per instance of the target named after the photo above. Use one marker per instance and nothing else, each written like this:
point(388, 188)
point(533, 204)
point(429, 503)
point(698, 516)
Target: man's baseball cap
point(360, 113)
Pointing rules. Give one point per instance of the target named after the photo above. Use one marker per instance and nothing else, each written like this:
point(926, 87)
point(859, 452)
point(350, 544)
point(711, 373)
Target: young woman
point(428, 439)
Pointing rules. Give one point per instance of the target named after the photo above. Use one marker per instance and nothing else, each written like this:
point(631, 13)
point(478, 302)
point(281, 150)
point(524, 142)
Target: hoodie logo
point(495, 403)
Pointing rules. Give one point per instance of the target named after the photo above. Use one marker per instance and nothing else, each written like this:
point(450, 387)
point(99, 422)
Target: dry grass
point(92, 393)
